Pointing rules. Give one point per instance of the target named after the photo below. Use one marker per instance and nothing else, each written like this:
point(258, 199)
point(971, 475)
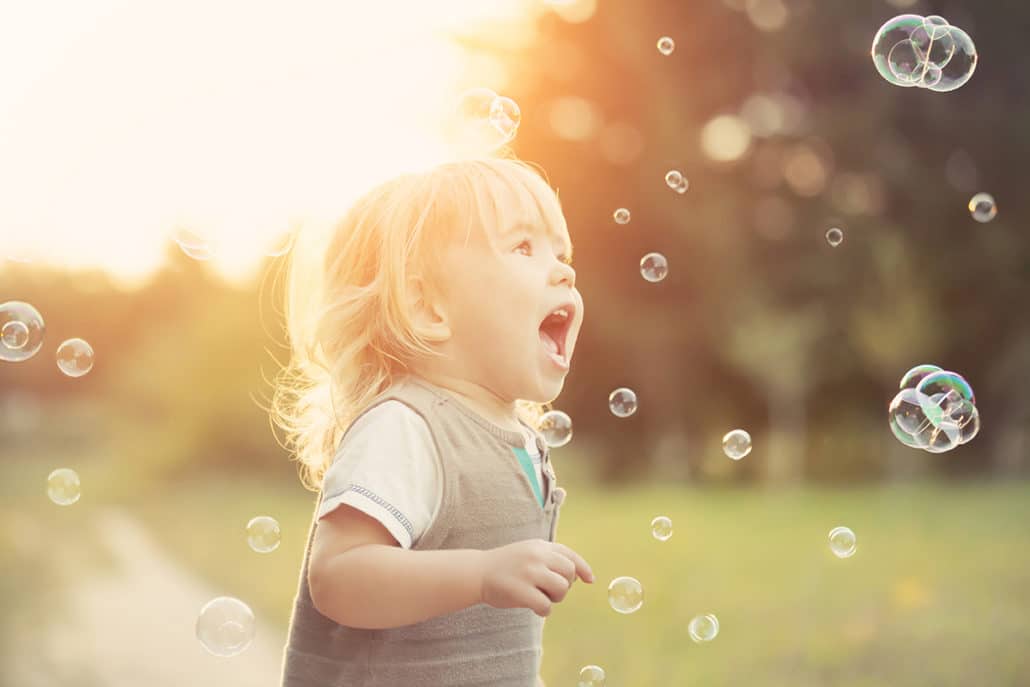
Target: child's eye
point(564, 258)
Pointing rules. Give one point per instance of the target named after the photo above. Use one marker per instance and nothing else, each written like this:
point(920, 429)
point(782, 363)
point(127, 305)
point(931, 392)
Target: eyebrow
point(534, 229)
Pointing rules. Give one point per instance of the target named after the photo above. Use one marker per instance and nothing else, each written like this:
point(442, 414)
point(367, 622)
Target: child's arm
point(359, 576)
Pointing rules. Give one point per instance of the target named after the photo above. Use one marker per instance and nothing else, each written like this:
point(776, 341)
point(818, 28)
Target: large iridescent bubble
point(928, 52)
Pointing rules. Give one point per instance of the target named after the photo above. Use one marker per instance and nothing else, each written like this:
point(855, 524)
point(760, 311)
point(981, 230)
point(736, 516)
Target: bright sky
point(120, 118)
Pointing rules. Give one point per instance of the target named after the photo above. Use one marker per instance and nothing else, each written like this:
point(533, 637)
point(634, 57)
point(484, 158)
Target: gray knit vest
point(488, 501)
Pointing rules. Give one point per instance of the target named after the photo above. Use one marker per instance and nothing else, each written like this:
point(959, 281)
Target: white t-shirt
point(388, 470)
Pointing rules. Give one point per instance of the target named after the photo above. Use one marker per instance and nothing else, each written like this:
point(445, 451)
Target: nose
point(563, 273)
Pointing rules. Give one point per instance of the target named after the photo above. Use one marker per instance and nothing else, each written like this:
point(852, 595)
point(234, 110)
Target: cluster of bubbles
point(21, 337)
point(982, 207)
point(834, 236)
point(485, 121)
point(675, 180)
point(225, 626)
point(935, 410)
point(928, 52)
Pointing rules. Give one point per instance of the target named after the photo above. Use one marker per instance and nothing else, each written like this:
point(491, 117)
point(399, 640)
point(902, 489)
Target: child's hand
point(533, 574)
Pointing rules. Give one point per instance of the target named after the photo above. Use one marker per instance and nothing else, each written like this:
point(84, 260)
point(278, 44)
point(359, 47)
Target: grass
point(936, 594)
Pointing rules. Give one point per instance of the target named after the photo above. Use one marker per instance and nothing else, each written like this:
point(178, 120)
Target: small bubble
point(666, 45)
point(842, 542)
point(75, 357)
point(736, 444)
point(982, 207)
point(622, 402)
point(591, 676)
point(673, 179)
point(654, 267)
point(661, 528)
point(263, 534)
point(703, 628)
point(621, 216)
point(62, 486)
point(625, 595)
point(225, 626)
point(21, 331)
point(834, 236)
point(505, 116)
point(556, 427)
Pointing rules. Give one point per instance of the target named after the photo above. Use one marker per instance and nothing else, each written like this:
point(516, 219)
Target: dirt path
point(134, 625)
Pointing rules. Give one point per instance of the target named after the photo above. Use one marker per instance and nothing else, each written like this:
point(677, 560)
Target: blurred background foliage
point(760, 324)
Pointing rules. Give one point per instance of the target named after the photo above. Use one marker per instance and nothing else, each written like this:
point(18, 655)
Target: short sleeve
point(387, 467)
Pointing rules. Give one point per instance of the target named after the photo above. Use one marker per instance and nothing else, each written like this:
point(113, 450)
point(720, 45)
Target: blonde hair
point(349, 329)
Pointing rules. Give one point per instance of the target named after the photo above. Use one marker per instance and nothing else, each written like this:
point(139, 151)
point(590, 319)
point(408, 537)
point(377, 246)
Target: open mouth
point(555, 328)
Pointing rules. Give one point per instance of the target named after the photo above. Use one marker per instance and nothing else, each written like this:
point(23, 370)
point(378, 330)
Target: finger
point(562, 565)
point(553, 585)
point(582, 567)
point(539, 603)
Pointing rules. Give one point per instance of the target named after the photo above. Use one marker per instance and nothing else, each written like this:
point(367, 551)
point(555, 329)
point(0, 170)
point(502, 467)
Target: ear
point(427, 311)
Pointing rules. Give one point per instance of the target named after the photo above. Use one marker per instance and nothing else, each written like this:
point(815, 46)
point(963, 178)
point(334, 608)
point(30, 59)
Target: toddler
point(440, 321)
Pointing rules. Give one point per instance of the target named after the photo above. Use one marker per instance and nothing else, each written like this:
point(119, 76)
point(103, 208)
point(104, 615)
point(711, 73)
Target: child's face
point(502, 287)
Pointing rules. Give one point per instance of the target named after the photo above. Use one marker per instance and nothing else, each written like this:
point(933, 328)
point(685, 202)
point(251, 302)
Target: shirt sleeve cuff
point(372, 508)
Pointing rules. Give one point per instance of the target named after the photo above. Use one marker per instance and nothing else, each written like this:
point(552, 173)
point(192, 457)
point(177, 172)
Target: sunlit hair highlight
point(351, 332)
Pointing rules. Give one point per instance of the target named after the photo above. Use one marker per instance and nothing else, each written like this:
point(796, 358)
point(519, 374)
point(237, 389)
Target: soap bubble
point(654, 267)
point(906, 412)
point(666, 45)
point(194, 243)
point(936, 26)
point(961, 65)
point(673, 179)
point(911, 50)
point(834, 236)
point(263, 534)
point(484, 121)
point(982, 207)
point(226, 626)
point(842, 542)
point(682, 186)
point(21, 331)
point(736, 444)
point(556, 427)
point(75, 357)
point(951, 387)
point(14, 335)
point(661, 528)
point(911, 379)
point(622, 402)
point(505, 116)
point(625, 594)
point(703, 628)
point(591, 676)
point(621, 216)
point(62, 486)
